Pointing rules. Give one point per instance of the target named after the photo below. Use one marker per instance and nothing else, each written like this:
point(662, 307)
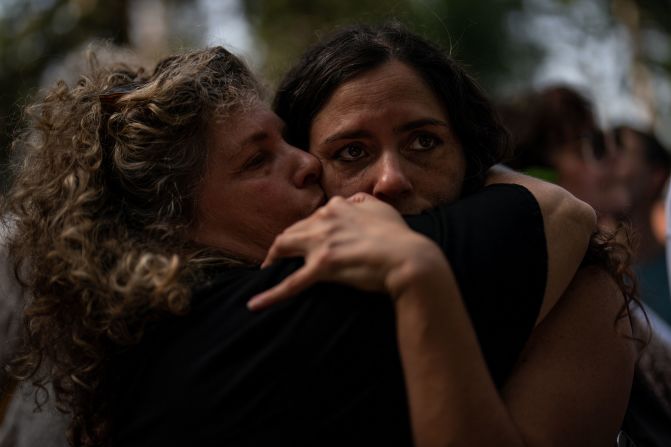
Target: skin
point(255, 185)
point(385, 133)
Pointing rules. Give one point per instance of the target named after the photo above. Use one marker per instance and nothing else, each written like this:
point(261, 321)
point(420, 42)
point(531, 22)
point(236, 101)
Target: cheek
point(336, 182)
point(441, 186)
point(443, 180)
point(258, 200)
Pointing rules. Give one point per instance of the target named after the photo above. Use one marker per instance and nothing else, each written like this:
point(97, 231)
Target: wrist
point(420, 267)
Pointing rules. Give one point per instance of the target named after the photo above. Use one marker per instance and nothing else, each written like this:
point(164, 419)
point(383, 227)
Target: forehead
point(392, 87)
point(393, 80)
point(241, 126)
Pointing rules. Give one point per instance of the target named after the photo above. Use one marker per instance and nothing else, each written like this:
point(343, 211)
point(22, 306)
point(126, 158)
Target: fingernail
point(255, 302)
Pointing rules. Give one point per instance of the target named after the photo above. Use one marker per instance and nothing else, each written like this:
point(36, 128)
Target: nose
point(308, 169)
point(391, 182)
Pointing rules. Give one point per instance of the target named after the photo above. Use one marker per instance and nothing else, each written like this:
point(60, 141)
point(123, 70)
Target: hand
point(358, 241)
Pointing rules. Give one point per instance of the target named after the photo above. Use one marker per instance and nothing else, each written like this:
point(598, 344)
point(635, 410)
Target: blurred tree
point(490, 38)
point(284, 28)
point(35, 34)
point(655, 16)
point(480, 37)
point(475, 32)
point(648, 24)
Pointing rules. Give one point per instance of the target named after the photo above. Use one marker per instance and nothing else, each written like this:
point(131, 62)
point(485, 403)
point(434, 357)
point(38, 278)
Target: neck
point(246, 250)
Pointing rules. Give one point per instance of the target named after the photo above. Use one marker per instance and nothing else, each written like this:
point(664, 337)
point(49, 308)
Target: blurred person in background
point(556, 137)
point(643, 166)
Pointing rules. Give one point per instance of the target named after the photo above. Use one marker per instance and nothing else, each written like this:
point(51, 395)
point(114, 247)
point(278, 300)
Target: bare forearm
point(453, 400)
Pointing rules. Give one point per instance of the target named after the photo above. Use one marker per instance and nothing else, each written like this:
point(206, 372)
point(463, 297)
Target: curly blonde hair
point(101, 207)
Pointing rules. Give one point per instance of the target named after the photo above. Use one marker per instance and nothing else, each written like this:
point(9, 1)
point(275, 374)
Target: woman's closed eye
point(424, 142)
point(257, 160)
point(351, 152)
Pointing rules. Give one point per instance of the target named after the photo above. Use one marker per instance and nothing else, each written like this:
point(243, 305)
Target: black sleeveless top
point(323, 368)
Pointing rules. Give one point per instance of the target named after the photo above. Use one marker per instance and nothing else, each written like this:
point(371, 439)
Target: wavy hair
point(611, 250)
point(100, 209)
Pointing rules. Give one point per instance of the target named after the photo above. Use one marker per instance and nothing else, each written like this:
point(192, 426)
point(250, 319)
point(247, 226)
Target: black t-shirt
point(323, 368)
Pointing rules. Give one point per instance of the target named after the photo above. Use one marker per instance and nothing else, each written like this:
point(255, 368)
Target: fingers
point(296, 241)
point(361, 197)
point(290, 286)
point(364, 201)
point(285, 246)
point(305, 234)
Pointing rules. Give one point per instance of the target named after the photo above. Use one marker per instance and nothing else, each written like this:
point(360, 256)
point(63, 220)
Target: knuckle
point(340, 203)
point(325, 256)
point(331, 246)
point(325, 211)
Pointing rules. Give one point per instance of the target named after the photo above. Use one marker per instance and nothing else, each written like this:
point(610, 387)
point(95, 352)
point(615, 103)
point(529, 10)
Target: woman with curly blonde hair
point(141, 209)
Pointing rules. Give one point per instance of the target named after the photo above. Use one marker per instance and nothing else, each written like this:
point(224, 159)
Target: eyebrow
point(256, 137)
point(420, 123)
point(360, 133)
point(347, 135)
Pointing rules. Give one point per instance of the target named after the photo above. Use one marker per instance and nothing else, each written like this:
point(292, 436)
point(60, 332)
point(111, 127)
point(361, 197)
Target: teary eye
point(351, 152)
point(424, 142)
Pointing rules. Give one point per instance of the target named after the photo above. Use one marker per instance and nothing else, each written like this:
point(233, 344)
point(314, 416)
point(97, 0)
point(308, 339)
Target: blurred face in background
point(385, 133)
point(587, 166)
point(642, 179)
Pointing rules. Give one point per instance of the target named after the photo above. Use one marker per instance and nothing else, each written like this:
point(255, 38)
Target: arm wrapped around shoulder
point(569, 224)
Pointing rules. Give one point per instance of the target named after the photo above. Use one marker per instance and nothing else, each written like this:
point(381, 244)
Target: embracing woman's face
point(385, 133)
point(255, 184)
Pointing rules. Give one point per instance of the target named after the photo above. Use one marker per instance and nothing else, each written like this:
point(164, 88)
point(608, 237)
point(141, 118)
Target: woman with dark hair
point(352, 52)
point(141, 208)
point(391, 114)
